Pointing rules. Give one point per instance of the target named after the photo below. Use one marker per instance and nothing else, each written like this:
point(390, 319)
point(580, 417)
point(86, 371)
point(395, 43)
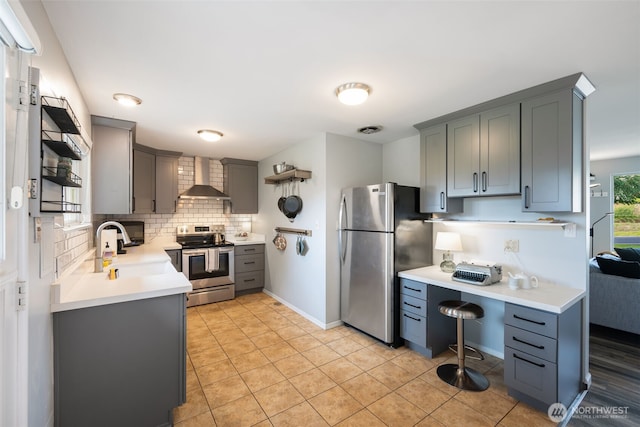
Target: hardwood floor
point(615, 386)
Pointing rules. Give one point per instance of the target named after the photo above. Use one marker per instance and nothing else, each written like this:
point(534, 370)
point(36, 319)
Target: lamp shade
point(448, 241)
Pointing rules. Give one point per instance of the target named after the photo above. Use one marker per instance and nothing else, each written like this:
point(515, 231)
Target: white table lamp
point(447, 241)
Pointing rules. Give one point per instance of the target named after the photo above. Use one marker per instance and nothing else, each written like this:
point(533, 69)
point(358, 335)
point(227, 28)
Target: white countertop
point(253, 239)
point(145, 272)
point(546, 296)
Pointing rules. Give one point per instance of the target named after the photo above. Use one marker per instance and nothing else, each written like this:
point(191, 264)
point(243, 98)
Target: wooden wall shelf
point(292, 175)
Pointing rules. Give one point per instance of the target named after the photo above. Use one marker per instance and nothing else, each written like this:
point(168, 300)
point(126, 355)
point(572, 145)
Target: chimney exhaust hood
point(202, 189)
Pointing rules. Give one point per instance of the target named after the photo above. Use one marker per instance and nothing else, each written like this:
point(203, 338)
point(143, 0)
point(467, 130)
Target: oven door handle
point(225, 250)
point(194, 252)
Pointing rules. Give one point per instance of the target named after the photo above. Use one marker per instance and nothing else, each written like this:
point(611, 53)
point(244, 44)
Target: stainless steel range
point(208, 263)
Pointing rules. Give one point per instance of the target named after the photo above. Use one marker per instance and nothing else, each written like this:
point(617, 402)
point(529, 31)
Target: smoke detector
point(368, 130)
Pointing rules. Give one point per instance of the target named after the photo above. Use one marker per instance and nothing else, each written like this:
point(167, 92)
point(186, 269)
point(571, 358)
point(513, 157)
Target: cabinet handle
point(250, 250)
point(526, 197)
point(154, 205)
point(539, 365)
point(484, 181)
point(133, 203)
point(413, 318)
point(249, 280)
point(529, 320)
point(414, 290)
point(442, 200)
point(475, 182)
point(411, 305)
point(539, 347)
point(249, 262)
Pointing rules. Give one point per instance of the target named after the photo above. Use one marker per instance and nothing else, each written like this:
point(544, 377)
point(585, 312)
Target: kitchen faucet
point(125, 239)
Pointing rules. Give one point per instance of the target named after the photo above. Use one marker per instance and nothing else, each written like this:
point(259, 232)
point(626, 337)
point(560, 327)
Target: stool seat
point(461, 309)
point(458, 375)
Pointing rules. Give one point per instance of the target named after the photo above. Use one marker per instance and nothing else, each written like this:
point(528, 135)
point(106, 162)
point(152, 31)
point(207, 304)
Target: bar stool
point(458, 375)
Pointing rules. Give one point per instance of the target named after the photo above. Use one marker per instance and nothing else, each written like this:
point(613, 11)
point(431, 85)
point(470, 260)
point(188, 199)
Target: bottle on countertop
point(107, 254)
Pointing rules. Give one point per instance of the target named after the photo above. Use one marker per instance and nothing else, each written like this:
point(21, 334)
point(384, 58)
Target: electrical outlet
point(512, 245)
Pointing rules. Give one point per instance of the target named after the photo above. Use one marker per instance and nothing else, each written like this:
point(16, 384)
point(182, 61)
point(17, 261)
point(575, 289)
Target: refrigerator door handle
point(342, 237)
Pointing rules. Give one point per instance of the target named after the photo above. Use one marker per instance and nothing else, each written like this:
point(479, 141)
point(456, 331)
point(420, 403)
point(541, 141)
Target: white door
point(13, 266)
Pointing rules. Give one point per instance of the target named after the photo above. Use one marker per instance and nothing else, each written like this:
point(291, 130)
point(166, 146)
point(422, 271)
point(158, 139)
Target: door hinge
point(32, 189)
point(21, 296)
point(34, 95)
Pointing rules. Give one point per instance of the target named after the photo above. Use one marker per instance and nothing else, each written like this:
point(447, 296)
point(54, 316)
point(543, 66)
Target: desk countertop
point(546, 296)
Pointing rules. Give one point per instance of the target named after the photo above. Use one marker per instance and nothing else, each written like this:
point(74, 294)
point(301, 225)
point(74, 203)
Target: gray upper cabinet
point(111, 165)
point(128, 177)
point(166, 184)
point(552, 153)
point(241, 185)
point(433, 172)
point(144, 182)
point(483, 153)
point(155, 180)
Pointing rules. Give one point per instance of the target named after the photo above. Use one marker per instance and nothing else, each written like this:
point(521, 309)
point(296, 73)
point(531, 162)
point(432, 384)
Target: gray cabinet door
point(241, 185)
point(144, 182)
point(499, 172)
point(463, 157)
point(111, 170)
point(120, 364)
point(552, 153)
point(166, 184)
point(433, 172)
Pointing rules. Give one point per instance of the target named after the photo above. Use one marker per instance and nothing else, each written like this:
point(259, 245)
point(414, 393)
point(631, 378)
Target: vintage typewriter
point(475, 273)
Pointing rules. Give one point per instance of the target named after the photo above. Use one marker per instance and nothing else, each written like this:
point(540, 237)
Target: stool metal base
point(464, 379)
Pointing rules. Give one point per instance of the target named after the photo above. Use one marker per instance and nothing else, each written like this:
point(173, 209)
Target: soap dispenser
point(107, 255)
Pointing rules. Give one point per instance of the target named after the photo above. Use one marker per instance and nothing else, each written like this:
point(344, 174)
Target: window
point(626, 207)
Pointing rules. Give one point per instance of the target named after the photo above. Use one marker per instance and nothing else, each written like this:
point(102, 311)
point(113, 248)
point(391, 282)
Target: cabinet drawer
point(413, 289)
point(248, 249)
point(250, 280)
point(530, 375)
point(249, 263)
point(528, 342)
point(413, 305)
point(413, 328)
point(530, 319)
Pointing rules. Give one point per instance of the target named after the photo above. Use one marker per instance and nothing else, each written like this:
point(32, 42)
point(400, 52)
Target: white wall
point(604, 170)
point(402, 161)
point(59, 77)
point(310, 284)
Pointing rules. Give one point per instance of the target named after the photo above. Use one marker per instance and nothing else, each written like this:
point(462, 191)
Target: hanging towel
point(213, 261)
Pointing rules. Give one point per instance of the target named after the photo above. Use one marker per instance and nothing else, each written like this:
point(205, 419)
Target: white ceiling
point(264, 72)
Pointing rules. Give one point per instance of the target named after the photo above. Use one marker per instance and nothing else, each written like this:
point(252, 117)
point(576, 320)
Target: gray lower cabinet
point(542, 355)
point(120, 364)
point(552, 153)
point(249, 268)
point(422, 326)
point(176, 258)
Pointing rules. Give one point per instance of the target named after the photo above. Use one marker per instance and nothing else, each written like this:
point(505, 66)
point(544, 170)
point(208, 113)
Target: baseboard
point(487, 350)
point(303, 313)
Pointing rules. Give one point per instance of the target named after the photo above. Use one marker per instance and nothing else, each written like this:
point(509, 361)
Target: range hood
point(202, 189)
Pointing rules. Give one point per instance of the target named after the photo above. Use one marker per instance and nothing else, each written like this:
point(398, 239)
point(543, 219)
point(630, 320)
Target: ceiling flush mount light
point(127, 100)
point(210, 135)
point(353, 93)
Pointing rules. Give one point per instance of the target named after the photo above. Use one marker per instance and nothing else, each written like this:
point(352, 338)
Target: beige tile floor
point(253, 361)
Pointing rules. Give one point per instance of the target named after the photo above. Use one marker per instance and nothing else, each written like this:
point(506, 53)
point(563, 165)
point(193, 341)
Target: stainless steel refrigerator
point(381, 232)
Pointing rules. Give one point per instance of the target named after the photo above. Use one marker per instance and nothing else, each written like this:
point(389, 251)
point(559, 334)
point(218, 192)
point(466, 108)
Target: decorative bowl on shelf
point(279, 168)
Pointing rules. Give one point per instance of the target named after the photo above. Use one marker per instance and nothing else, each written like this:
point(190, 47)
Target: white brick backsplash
point(190, 211)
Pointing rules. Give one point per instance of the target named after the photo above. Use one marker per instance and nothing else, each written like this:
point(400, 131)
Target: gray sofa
point(614, 301)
